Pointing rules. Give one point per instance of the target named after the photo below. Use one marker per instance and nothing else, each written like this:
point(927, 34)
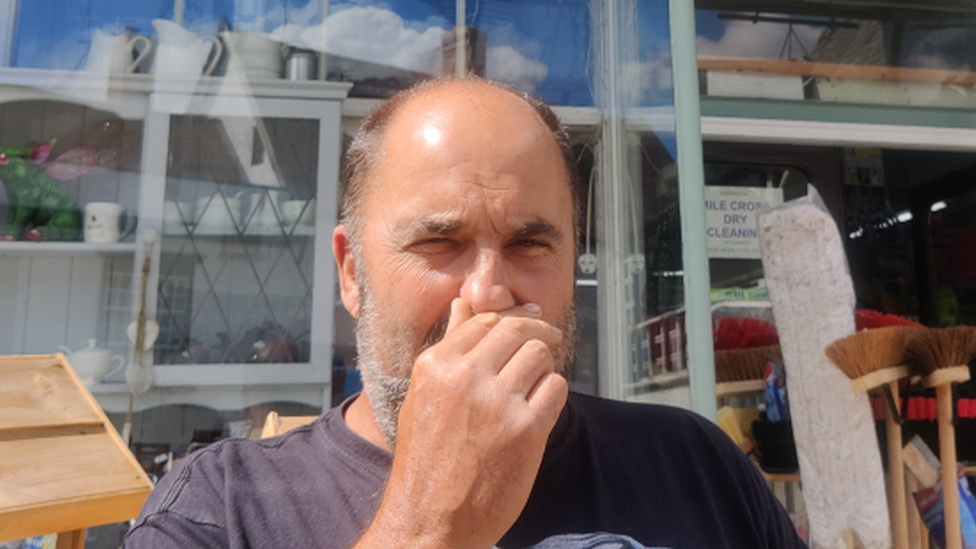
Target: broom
point(941, 356)
point(875, 358)
point(742, 347)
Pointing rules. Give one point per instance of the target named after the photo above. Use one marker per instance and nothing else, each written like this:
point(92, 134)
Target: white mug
point(107, 222)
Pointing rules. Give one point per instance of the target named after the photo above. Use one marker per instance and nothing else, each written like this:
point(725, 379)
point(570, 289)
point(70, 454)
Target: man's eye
point(433, 245)
point(531, 245)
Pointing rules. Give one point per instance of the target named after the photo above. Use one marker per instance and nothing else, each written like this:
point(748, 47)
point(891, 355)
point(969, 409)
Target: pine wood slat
point(836, 70)
point(64, 467)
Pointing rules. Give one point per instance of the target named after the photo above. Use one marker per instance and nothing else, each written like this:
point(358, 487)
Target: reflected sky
point(538, 47)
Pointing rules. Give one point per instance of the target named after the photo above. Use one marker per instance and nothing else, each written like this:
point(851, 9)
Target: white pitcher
point(113, 52)
point(182, 52)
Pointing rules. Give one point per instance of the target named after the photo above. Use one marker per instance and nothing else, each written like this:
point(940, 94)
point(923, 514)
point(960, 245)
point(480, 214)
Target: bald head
point(469, 109)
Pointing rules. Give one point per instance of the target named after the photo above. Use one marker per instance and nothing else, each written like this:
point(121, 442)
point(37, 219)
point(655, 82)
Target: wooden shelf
point(836, 70)
point(733, 388)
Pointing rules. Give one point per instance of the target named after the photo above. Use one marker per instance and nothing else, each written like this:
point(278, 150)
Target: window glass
point(54, 34)
point(916, 54)
point(542, 48)
point(640, 198)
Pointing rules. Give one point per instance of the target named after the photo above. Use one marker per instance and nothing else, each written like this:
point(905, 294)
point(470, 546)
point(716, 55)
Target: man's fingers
point(460, 313)
point(530, 364)
point(504, 340)
point(548, 397)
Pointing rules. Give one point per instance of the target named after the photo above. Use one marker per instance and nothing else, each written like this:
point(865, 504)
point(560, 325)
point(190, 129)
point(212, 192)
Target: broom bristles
point(745, 364)
point(937, 348)
point(867, 351)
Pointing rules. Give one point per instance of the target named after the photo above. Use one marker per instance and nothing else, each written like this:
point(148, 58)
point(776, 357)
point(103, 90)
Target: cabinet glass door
point(237, 260)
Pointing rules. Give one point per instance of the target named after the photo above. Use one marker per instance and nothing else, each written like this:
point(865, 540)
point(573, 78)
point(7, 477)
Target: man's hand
point(471, 432)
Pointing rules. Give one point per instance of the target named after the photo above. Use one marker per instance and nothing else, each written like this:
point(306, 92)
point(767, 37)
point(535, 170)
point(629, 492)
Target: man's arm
point(471, 433)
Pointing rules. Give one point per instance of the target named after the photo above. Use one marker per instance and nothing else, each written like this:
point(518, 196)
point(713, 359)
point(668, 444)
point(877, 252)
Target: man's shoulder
point(659, 416)
point(644, 427)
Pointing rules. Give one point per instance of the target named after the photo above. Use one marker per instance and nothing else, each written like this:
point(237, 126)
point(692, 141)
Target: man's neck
point(359, 417)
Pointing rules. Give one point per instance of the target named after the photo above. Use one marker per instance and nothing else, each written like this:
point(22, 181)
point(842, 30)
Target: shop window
point(918, 54)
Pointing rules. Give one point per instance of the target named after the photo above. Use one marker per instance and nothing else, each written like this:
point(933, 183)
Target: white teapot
point(93, 362)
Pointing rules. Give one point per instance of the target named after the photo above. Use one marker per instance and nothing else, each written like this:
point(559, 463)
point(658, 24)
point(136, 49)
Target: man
point(456, 254)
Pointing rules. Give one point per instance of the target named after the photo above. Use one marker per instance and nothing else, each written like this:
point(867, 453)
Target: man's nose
point(486, 285)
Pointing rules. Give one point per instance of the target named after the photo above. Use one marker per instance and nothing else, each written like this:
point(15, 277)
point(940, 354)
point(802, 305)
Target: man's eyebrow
point(431, 225)
point(436, 225)
point(538, 228)
point(448, 226)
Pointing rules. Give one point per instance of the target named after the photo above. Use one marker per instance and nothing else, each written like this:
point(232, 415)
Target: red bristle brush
point(941, 356)
point(866, 318)
point(742, 347)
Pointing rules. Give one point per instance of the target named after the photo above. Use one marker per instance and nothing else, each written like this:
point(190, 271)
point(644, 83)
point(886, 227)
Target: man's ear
point(348, 284)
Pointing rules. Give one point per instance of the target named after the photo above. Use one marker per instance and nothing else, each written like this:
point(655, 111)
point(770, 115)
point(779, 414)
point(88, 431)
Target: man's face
point(470, 200)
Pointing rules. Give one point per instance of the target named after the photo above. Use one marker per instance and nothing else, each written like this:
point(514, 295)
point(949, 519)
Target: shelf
point(300, 230)
point(65, 248)
point(218, 375)
point(89, 81)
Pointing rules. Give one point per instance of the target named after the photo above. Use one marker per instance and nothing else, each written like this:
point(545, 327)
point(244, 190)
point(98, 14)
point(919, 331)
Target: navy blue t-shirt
point(614, 475)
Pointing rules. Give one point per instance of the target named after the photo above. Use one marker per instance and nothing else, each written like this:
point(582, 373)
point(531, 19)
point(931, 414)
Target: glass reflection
point(840, 53)
point(541, 48)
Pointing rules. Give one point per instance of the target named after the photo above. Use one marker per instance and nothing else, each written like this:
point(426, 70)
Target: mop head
point(813, 301)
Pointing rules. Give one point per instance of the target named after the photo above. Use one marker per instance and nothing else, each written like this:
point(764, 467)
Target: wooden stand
point(896, 466)
point(942, 379)
point(71, 468)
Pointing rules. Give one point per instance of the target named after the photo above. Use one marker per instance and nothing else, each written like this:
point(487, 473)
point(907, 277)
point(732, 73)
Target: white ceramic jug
point(182, 52)
point(93, 362)
point(113, 53)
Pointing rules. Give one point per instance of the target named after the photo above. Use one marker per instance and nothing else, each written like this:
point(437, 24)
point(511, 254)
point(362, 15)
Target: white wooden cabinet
point(216, 289)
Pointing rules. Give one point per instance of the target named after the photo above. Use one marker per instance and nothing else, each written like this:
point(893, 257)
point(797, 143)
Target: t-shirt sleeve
point(185, 510)
point(169, 530)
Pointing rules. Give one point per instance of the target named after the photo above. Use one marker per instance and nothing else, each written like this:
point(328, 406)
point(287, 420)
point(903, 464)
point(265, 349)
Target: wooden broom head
point(744, 364)
point(936, 348)
point(867, 351)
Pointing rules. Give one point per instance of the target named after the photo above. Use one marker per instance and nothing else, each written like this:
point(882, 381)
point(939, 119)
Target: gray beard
point(387, 353)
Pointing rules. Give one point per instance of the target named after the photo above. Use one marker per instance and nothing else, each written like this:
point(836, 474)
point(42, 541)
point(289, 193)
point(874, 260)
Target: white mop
point(813, 301)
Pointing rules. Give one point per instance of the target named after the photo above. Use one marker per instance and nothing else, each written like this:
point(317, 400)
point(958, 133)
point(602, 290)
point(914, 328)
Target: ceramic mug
point(177, 214)
point(300, 212)
point(218, 213)
point(108, 222)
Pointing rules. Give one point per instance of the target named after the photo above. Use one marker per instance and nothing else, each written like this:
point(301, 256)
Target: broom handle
point(896, 472)
point(947, 451)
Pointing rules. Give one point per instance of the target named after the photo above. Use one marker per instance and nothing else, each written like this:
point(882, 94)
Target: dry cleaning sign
point(730, 216)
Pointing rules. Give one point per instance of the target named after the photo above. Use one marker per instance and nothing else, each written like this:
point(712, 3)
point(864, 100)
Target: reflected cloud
point(758, 40)
point(382, 37)
point(506, 64)
point(648, 82)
